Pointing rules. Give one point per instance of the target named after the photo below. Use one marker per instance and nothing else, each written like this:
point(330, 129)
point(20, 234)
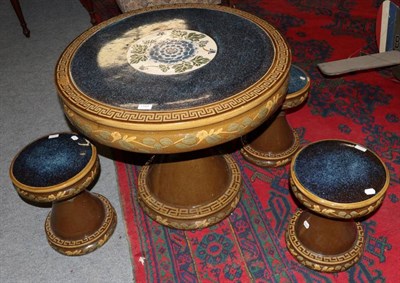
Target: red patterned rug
point(249, 246)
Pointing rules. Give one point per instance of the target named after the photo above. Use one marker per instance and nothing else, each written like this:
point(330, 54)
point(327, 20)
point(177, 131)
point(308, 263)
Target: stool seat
point(275, 142)
point(339, 179)
point(58, 168)
point(337, 182)
point(298, 87)
point(51, 167)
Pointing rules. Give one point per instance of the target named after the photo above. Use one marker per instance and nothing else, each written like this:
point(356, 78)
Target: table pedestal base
point(183, 192)
point(324, 244)
point(81, 224)
point(271, 145)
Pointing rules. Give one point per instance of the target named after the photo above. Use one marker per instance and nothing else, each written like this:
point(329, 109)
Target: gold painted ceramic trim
point(61, 191)
point(334, 212)
point(179, 130)
point(323, 263)
point(270, 159)
point(90, 242)
point(62, 194)
point(198, 216)
point(197, 212)
point(195, 223)
point(71, 93)
point(296, 98)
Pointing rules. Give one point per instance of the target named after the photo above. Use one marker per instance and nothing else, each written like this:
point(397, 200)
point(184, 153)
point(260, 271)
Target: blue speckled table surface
point(101, 70)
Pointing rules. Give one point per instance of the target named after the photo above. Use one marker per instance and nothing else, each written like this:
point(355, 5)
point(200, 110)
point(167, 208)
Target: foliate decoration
point(270, 159)
point(266, 163)
point(171, 52)
point(89, 243)
point(194, 224)
point(64, 194)
point(334, 212)
point(323, 263)
point(61, 194)
point(152, 144)
point(292, 102)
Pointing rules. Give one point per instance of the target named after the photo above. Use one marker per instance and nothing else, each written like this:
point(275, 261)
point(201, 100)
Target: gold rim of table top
point(247, 102)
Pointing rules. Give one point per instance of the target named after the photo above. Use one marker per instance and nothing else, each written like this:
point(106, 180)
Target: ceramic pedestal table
point(176, 81)
point(337, 182)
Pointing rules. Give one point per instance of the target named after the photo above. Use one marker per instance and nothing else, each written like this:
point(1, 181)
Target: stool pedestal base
point(274, 143)
point(271, 145)
point(189, 193)
point(81, 224)
point(324, 244)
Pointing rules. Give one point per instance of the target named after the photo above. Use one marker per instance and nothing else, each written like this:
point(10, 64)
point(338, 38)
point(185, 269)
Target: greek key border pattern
point(202, 211)
point(89, 243)
point(319, 262)
point(195, 223)
point(140, 140)
point(74, 96)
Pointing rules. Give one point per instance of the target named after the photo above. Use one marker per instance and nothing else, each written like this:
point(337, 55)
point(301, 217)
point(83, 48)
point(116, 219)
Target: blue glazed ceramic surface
point(297, 79)
point(101, 67)
point(339, 171)
point(52, 160)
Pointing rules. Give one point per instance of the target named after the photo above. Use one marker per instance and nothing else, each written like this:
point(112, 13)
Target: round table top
point(171, 59)
point(340, 171)
point(51, 160)
point(171, 68)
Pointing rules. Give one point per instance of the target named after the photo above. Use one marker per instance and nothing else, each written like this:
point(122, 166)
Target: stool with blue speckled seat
point(337, 182)
point(275, 142)
point(59, 168)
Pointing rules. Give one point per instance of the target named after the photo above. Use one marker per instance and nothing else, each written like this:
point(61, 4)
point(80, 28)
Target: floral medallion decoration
point(171, 52)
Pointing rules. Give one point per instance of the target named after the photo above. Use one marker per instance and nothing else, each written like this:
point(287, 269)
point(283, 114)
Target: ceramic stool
point(59, 168)
point(337, 182)
point(274, 143)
